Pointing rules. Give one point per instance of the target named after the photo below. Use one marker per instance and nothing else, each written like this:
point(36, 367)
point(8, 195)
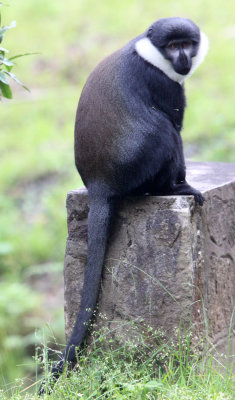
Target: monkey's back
point(119, 134)
point(100, 120)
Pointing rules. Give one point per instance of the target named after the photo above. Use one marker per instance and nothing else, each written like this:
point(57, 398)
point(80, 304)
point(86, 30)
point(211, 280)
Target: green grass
point(36, 146)
point(147, 368)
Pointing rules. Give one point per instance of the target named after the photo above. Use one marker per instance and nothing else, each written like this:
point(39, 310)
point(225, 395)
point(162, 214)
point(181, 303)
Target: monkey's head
point(174, 45)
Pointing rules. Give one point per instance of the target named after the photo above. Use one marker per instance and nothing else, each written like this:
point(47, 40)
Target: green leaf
point(3, 78)
point(6, 61)
point(2, 49)
point(16, 80)
point(14, 77)
point(22, 55)
point(6, 90)
point(3, 29)
point(8, 68)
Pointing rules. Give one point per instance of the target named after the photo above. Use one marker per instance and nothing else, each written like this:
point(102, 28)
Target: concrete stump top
point(168, 260)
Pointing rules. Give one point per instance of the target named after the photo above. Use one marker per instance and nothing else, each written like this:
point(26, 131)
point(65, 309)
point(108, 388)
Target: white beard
point(150, 53)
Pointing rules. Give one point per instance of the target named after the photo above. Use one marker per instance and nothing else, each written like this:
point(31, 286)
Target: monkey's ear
point(150, 32)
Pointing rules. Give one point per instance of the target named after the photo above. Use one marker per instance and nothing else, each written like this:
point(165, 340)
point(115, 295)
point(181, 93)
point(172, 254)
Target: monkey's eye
point(186, 44)
point(172, 46)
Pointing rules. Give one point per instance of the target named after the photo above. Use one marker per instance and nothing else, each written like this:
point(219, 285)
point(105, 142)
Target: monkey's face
point(180, 52)
point(178, 41)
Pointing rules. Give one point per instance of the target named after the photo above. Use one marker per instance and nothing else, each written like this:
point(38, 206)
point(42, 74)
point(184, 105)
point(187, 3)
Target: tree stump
point(168, 260)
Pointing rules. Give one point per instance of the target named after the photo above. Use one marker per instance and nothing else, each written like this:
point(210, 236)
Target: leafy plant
point(133, 371)
point(6, 64)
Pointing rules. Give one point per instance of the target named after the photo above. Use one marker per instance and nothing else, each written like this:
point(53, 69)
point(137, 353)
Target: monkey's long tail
point(99, 220)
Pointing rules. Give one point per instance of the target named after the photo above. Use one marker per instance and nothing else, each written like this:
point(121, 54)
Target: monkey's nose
point(184, 71)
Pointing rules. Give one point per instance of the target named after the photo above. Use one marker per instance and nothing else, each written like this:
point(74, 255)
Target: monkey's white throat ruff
point(151, 54)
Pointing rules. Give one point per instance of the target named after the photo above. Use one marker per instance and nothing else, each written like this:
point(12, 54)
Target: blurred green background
point(36, 142)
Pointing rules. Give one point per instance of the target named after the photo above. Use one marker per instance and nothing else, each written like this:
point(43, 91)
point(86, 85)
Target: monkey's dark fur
point(127, 142)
